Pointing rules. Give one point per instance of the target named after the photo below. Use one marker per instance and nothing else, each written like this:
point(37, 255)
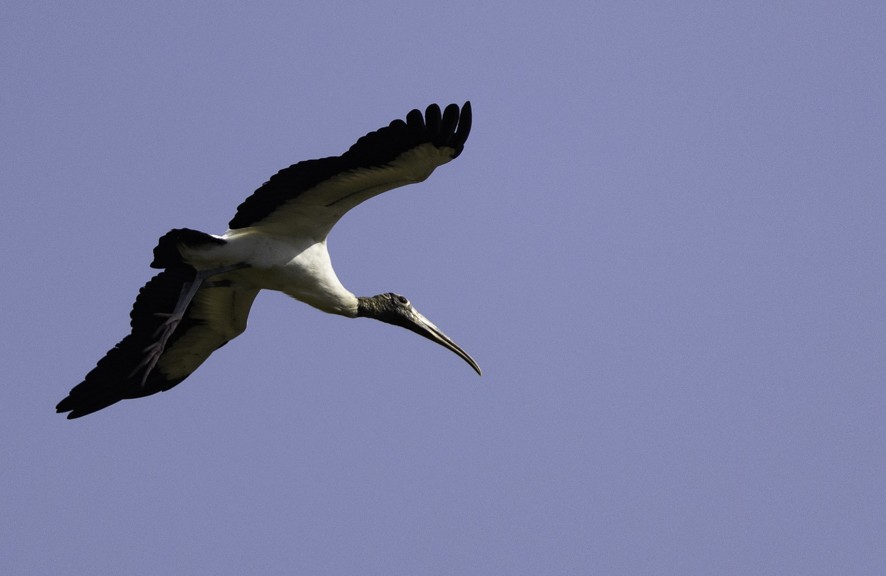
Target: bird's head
point(396, 309)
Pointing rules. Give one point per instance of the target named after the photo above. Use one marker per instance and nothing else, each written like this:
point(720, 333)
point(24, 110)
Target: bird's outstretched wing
point(217, 314)
point(308, 198)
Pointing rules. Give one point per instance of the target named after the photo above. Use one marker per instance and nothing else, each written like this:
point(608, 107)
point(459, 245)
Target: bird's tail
point(168, 254)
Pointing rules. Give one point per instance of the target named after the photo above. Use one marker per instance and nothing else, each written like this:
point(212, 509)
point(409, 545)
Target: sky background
point(664, 244)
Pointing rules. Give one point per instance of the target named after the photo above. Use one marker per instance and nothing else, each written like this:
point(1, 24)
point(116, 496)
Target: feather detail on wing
point(308, 198)
point(216, 315)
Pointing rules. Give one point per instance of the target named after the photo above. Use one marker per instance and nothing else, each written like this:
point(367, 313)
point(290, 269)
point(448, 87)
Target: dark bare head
point(396, 309)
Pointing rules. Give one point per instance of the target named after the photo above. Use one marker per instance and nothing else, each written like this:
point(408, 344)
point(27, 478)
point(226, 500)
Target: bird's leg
point(189, 289)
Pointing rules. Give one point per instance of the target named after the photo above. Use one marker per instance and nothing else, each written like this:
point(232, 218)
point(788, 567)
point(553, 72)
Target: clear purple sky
point(665, 243)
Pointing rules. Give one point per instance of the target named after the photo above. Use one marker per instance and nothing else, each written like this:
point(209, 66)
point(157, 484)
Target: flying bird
point(276, 241)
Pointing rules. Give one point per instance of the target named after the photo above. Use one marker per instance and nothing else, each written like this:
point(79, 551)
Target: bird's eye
point(402, 300)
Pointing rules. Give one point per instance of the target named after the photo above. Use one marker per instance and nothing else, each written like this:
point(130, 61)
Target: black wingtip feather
point(432, 120)
point(464, 128)
point(416, 123)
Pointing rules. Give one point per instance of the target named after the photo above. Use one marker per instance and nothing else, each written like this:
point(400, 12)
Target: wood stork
point(276, 241)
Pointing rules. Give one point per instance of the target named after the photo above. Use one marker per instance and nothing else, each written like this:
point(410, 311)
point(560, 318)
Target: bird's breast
point(301, 270)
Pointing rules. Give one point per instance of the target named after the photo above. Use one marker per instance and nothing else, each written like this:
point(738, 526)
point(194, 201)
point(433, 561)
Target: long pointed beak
point(421, 325)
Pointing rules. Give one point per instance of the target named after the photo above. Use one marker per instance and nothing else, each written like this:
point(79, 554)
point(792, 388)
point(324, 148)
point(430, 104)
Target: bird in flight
point(276, 241)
